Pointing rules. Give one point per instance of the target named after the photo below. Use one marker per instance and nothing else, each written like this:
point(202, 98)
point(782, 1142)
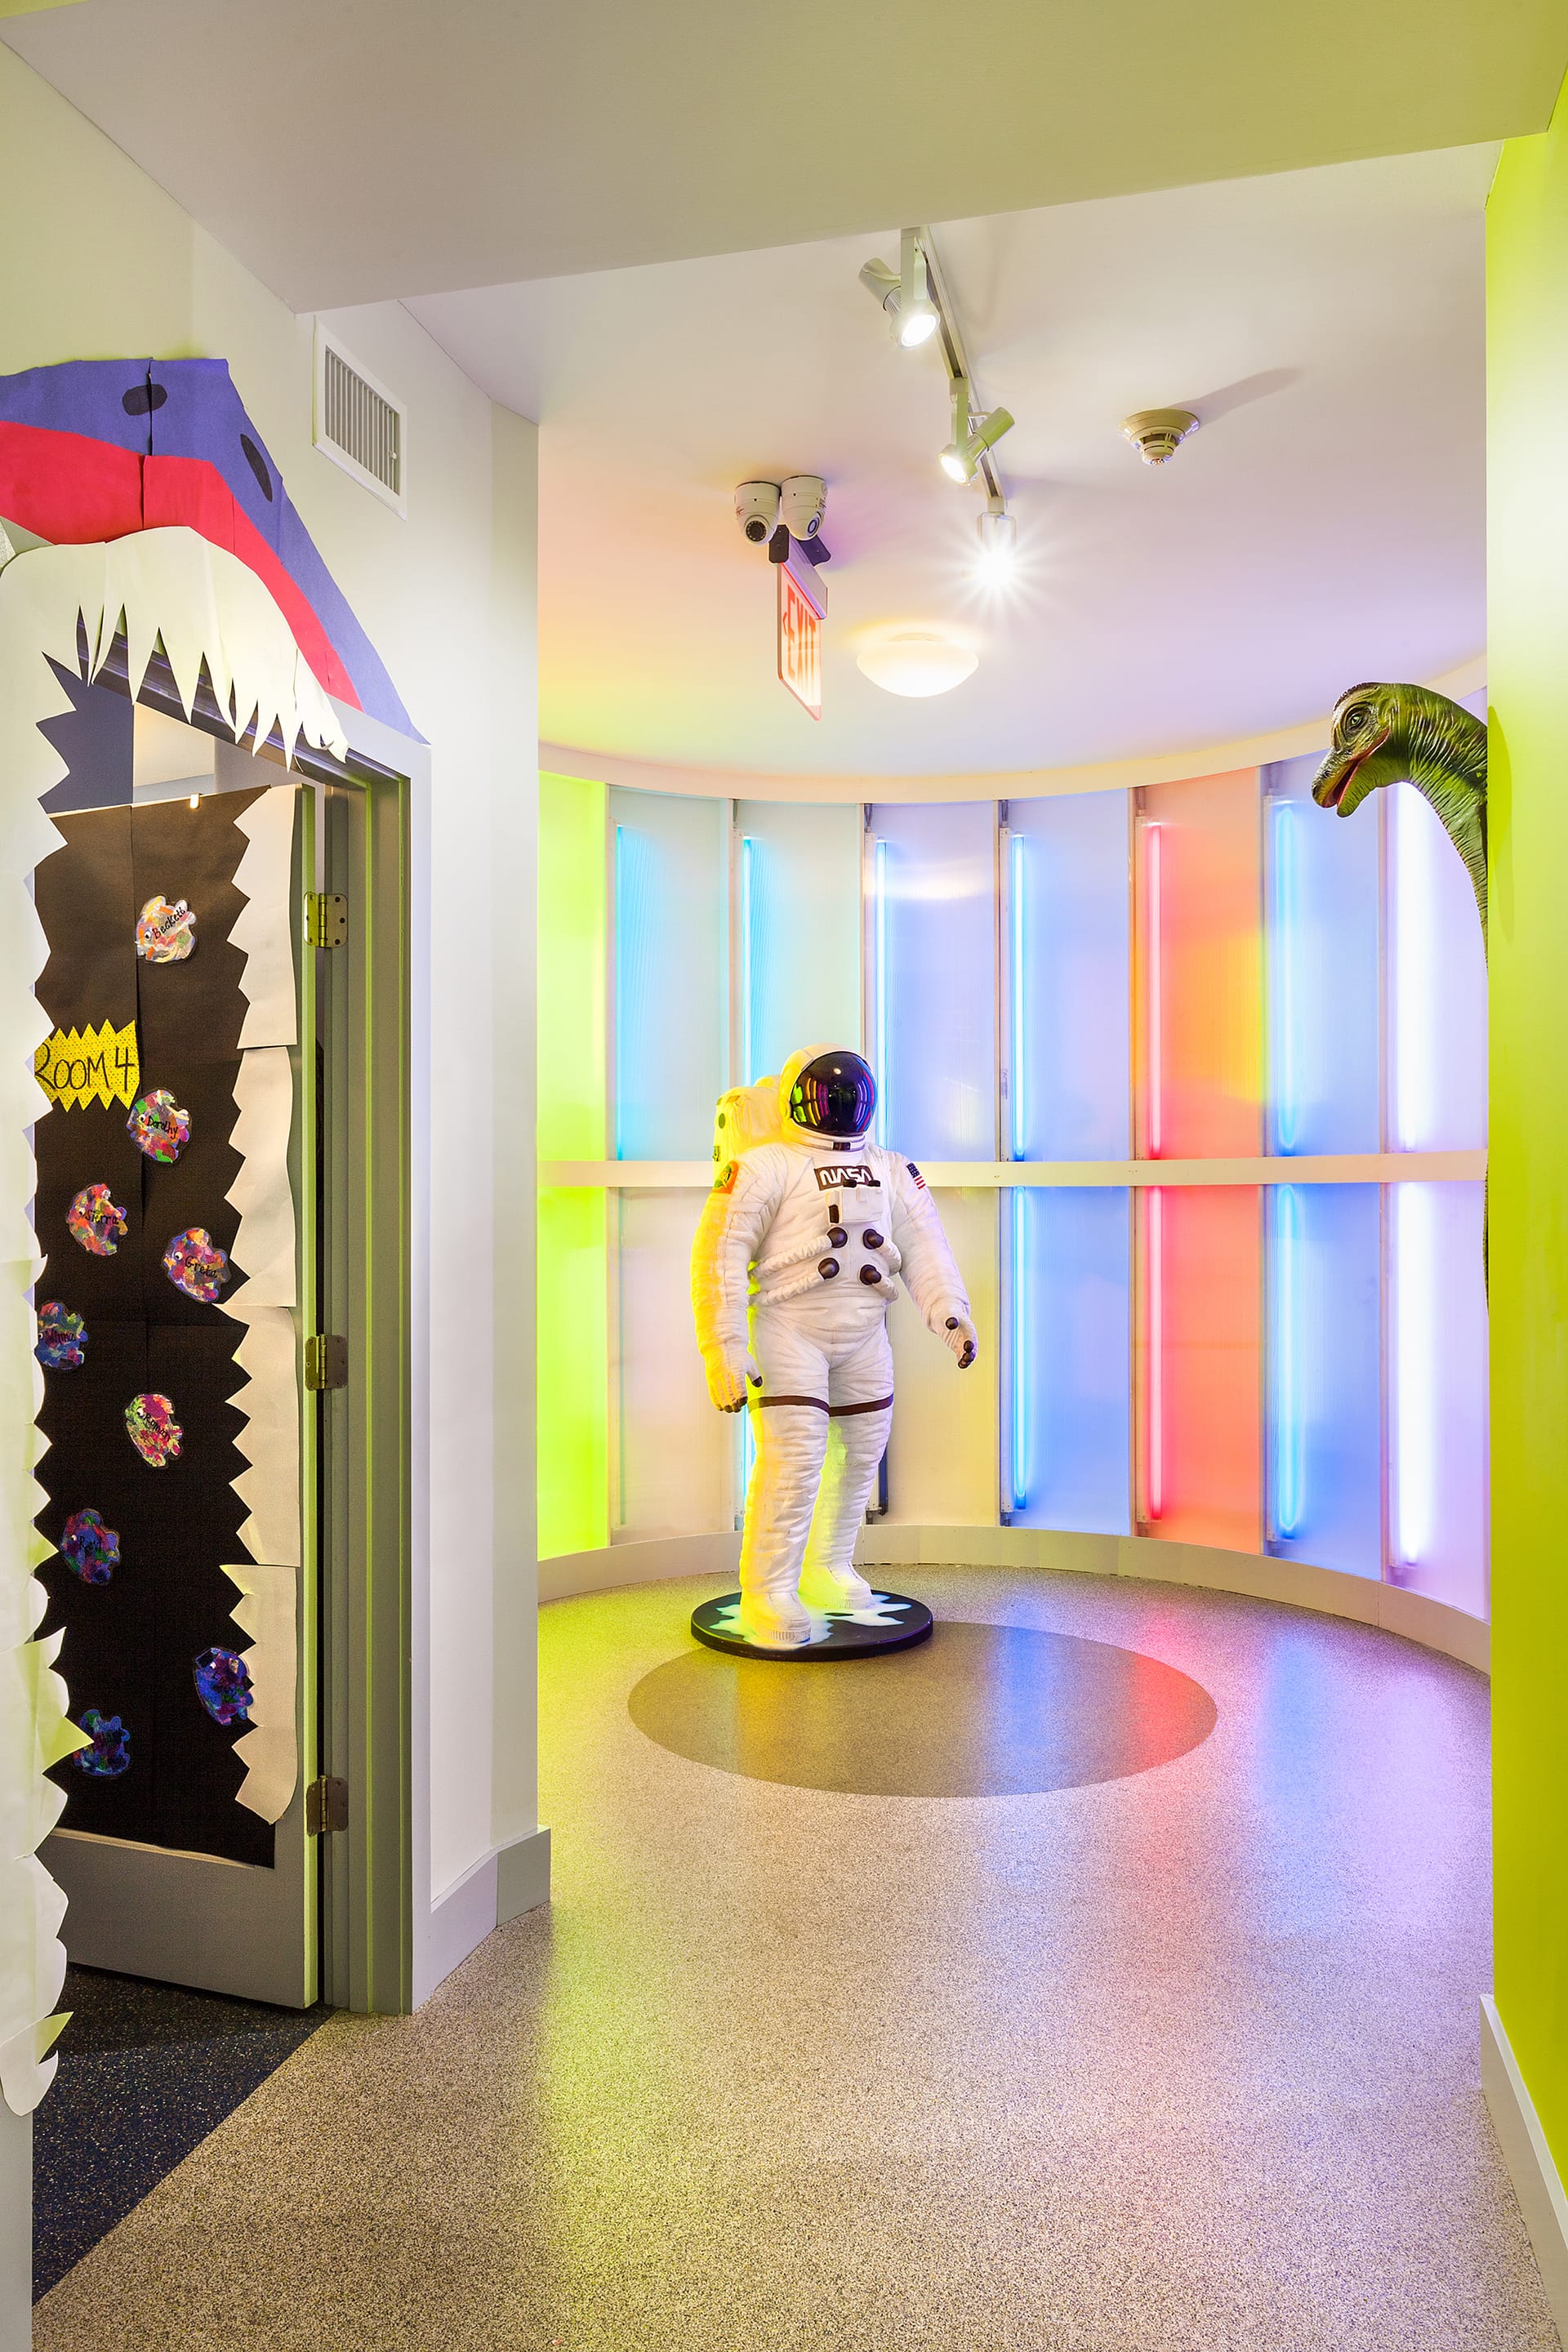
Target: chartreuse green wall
point(1527, 572)
point(574, 1307)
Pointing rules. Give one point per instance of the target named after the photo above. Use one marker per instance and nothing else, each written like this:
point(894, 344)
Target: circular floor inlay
point(977, 1711)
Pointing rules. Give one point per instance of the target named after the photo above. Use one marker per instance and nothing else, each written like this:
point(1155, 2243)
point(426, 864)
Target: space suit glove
point(960, 1334)
point(729, 1372)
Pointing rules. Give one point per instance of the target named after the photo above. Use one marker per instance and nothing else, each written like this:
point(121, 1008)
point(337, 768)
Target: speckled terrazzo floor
point(1182, 2061)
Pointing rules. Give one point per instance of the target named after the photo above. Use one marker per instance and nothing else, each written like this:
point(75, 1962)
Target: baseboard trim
point(1536, 2181)
point(646, 1561)
point(522, 1876)
point(1297, 1584)
point(458, 1923)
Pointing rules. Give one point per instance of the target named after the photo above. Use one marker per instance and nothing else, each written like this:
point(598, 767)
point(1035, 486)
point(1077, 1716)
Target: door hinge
point(326, 1362)
point(326, 1806)
point(326, 919)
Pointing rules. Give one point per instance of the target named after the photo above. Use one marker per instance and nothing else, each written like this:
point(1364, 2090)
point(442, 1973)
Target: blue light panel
point(671, 903)
point(800, 930)
point(1324, 1416)
point(1066, 1385)
point(1066, 962)
point(933, 946)
point(1321, 932)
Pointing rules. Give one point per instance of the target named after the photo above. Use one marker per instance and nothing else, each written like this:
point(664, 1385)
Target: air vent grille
point(359, 425)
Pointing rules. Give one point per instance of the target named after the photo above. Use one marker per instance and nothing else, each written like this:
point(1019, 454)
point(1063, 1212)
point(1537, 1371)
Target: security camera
point(803, 500)
point(757, 509)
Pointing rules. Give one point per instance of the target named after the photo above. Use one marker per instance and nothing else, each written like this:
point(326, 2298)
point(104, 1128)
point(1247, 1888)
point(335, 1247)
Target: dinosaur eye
point(1355, 719)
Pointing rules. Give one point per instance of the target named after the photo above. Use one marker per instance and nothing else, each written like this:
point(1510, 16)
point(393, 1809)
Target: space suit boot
point(842, 1592)
point(774, 1620)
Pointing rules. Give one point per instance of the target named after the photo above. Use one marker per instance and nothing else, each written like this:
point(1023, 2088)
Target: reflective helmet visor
point(834, 1094)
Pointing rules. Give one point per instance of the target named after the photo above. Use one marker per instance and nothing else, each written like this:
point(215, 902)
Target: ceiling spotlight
point(1158, 433)
point(998, 536)
point(917, 662)
point(906, 297)
point(971, 435)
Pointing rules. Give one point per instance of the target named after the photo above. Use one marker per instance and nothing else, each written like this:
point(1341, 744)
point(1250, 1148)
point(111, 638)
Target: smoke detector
point(1158, 433)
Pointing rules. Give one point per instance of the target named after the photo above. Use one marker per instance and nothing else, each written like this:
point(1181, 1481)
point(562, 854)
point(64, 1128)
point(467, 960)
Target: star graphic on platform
point(885, 1610)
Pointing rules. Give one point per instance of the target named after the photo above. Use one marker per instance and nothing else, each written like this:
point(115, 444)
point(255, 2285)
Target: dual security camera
point(797, 505)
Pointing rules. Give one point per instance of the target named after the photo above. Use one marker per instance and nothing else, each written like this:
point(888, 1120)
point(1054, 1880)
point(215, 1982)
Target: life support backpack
point(744, 1117)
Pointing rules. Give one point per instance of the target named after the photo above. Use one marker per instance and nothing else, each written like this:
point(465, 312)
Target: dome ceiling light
point(917, 662)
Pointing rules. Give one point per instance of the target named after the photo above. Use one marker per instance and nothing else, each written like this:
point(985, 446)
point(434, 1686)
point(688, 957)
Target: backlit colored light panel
point(930, 905)
point(673, 1457)
point(1437, 1401)
point(798, 887)
point(1197, 884)
point(1437, 986)
point(1066, 969)
point(671, 865)
point(1199, 1365)
point(1321, 895)
point(1067, 1387)
point(942, 1456)
point(573, 1325)
point(1323, 1256)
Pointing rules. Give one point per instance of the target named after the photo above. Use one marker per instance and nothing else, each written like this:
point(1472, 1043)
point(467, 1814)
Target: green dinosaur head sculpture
point(1383, 734)
point(1386, 734)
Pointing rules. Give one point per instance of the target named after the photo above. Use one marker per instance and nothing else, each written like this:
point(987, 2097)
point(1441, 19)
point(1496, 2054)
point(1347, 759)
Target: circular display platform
point(977, 1710)
point(892, 1622)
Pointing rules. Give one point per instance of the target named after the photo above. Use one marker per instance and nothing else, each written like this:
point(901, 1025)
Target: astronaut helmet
point(828, 1091)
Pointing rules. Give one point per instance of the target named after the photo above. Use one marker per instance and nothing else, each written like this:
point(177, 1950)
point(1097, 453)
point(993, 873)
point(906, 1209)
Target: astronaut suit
point(802, 1238)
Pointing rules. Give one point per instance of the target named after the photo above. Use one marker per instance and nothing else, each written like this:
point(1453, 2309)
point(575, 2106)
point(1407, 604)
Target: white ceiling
point(1324, 525)
point(352, 151)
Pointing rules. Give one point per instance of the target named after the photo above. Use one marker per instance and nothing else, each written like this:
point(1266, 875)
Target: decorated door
point(169, 1338)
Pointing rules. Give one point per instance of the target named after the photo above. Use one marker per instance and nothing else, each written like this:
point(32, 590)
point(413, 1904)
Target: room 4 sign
point(76, 1066)
point(803, 603)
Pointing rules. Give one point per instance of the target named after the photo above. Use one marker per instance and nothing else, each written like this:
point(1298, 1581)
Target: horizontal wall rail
point(953, 1175)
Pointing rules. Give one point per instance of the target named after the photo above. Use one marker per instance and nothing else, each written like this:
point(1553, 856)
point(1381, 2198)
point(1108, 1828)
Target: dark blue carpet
point(146, 2070)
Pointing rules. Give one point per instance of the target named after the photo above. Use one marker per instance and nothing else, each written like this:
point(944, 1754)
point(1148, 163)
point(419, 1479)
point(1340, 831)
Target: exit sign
point(803, 601)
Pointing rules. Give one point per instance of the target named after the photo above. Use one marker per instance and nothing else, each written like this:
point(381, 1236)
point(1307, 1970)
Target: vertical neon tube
point(1154, 1009)
point(1286, 1485)
point(1415, 1350)
point(1154, 1471)
point(1415, 1043)
point(1020, 1429)
point(621, 937)
point(1015, 1054)
point(880, 982)
point(748, 971)
point(1284, 946)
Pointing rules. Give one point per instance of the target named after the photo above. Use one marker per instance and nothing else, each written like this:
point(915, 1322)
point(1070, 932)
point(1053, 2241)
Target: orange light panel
point(1199, 1023)
point(1200, 1365)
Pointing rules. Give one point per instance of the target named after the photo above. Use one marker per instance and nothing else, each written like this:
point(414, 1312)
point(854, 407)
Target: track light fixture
point(906, 297)
point(920, 307)
point(998, 536)
point(971, 435)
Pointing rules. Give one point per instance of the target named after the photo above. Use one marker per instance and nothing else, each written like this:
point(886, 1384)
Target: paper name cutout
point(77, 1067)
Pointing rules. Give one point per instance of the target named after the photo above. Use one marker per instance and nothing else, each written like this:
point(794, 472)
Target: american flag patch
point(915, 1172)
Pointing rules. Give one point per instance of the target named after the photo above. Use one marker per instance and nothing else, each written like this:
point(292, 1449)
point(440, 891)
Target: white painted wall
point(109, 265)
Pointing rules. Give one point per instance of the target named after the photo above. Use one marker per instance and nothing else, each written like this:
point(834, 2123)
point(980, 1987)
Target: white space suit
point(802, 1240)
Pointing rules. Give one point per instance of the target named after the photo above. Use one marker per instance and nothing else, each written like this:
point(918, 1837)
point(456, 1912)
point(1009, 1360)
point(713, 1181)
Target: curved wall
point(1197, 1075)
point(1296, 1583)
